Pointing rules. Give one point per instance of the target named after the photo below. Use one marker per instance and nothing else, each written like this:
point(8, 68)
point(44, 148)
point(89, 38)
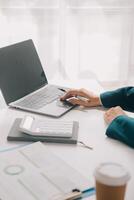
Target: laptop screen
point(21, 71)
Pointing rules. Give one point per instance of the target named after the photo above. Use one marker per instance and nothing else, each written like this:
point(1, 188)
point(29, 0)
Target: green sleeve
point(122, 129)
point(123, 97)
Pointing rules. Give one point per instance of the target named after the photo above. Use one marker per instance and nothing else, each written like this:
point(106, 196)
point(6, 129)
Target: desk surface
point(91, 131)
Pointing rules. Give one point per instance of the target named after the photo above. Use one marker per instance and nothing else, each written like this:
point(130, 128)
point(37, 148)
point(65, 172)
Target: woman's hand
point(81, 97)
point(112, 113)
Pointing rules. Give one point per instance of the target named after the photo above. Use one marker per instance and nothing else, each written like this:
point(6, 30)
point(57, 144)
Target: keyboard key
point(42, 97)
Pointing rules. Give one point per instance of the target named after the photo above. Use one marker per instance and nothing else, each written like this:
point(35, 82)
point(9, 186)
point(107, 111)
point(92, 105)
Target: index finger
point(70, 93)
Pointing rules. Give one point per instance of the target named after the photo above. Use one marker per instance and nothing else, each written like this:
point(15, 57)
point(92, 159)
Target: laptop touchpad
point(56, 108)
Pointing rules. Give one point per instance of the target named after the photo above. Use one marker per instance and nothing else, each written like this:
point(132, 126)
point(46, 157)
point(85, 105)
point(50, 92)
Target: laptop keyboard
point(39, 99)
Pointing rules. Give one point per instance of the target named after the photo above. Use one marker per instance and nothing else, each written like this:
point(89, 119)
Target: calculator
point(46, 127)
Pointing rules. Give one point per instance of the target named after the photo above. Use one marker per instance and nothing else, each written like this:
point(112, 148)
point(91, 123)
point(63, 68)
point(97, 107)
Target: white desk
point(91, 131)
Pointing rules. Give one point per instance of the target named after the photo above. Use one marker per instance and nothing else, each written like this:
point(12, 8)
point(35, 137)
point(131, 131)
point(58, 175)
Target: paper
point(34, 173)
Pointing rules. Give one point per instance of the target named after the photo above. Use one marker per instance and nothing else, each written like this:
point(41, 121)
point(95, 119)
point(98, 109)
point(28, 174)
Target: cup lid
point(112, 174)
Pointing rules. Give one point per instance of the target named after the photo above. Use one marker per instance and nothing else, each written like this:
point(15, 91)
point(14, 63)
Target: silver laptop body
point(24, 84)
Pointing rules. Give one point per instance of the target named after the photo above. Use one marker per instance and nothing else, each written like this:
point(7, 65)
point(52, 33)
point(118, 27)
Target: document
point(35, 173)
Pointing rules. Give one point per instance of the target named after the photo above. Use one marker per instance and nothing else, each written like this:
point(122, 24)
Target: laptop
point(24, 84)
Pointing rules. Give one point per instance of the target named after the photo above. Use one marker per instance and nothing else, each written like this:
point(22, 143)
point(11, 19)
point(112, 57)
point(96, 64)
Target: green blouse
point(122, 127)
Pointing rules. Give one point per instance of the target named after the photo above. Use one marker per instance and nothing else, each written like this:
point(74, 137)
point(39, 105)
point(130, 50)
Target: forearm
point(123, 97)
point(122, 129)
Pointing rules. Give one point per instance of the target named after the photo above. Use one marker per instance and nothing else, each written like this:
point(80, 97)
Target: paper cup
point(111, 181)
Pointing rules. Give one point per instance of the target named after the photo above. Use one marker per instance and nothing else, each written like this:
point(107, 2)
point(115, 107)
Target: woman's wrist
point(97, 101)
point(100, 102)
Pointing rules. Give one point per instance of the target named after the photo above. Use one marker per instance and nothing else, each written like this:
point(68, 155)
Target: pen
point(62, 89)
point(86, 146)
